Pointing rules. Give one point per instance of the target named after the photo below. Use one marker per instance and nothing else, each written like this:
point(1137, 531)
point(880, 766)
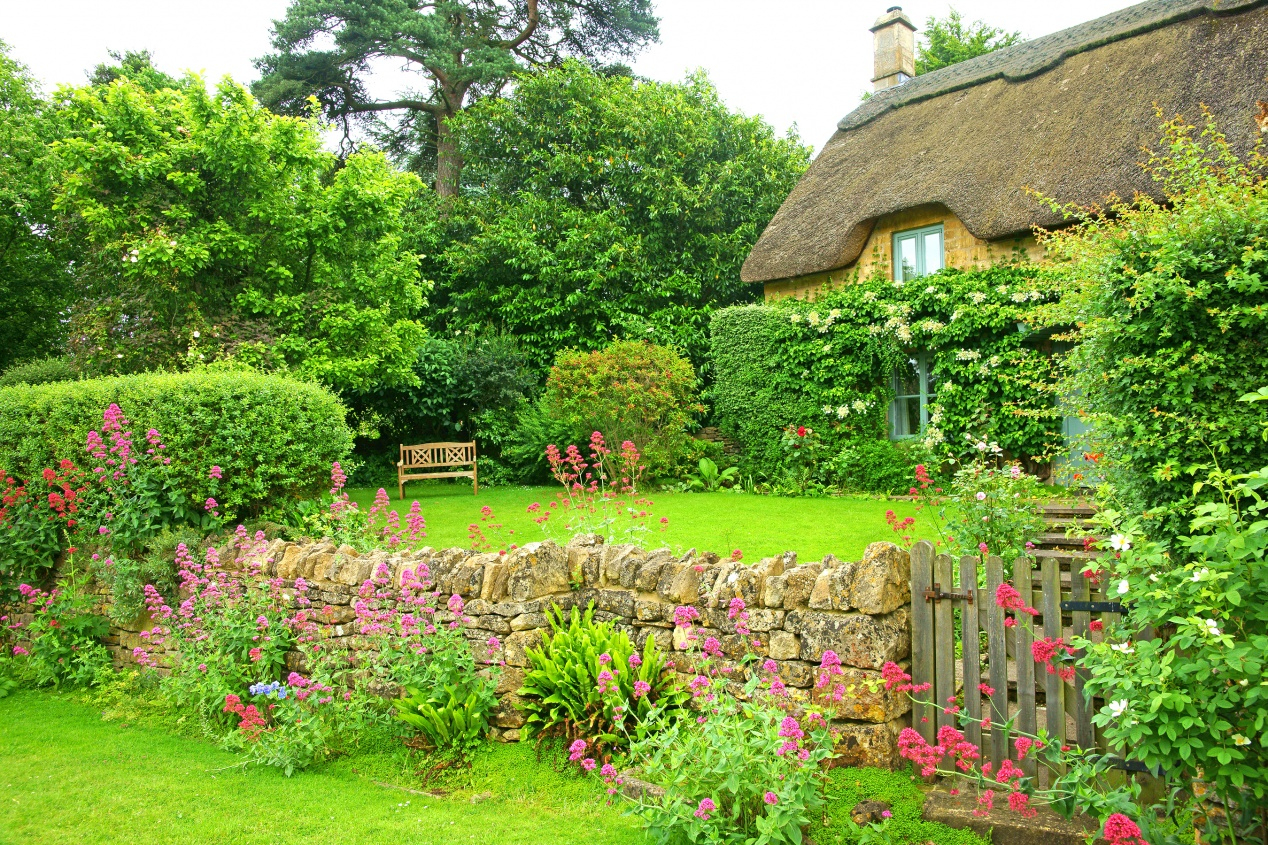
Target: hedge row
point(273, 437)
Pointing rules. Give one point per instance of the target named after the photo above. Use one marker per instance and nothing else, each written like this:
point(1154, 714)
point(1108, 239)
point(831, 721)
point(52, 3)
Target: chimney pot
point(894, 43)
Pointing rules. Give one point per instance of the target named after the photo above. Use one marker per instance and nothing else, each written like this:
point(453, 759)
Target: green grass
point(66, 776)
point(759, 526)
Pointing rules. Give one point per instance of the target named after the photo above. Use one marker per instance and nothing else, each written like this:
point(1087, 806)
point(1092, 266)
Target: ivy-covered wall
point(829, 364)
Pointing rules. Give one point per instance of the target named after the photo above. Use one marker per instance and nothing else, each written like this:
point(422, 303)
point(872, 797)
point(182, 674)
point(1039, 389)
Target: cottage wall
point(858, 609)
point(961, 250)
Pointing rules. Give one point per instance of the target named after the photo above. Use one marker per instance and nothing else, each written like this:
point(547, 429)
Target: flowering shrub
point(36, 520)
point(340, 519)
point(1193, 700)
point(747, 768)
point(802, 447)
point(587, 682)
point(631, 391)
point(990, 507)
point(600, 496)
point(61, 645)
point(286, 729)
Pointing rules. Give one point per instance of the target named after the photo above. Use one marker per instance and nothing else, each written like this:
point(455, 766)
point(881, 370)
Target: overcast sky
point(803, 62)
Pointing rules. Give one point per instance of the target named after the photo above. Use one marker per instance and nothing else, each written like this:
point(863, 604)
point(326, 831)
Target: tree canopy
point(605, 206)
point(34, 279)
point(207, 227)
point(948, 41)
point(461, 51)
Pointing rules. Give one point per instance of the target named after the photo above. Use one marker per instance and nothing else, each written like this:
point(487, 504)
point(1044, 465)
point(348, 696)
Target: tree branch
point(530, 26)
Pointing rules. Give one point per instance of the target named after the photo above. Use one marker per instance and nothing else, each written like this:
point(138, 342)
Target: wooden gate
point(1001, 688)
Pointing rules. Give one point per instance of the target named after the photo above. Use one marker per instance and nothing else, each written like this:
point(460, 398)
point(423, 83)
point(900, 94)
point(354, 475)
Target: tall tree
point(462, 51)
point(34, 280)
point(949, 40)
point(605, 206)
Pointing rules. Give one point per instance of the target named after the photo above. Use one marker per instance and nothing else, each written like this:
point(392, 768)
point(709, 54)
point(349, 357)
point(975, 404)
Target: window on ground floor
point(917, 252)
point(914, 391)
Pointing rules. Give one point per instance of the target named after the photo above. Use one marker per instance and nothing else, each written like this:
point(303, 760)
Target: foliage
point(1167, 297)
point(802, 450)
point(711, 479)
point(879, 466)
point(464, 50)
point(287, 729)
point(274, 438)
point(1193, 700)
point(847, 787)
point(630, 391)
point(338, 519)
point(604, 206)
point(39, 371)
point(747, 770)
point(454, 718)
point(587, 681)
point(599, 497)
point(36, 521)
point(209, 228)
point(948, 41)
point(126, 575)
point(832, 362)
point(989, 508)
point(61, 644)
point(34, 277)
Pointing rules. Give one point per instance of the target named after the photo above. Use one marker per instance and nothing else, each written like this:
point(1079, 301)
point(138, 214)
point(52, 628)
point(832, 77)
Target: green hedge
point(828, 365)
point(273, 437)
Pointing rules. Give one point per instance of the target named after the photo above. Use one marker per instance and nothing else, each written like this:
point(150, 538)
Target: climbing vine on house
point(830, 364)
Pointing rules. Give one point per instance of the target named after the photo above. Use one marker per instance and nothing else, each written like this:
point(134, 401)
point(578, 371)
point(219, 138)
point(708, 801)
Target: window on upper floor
point(917, 252)
point(914, 391)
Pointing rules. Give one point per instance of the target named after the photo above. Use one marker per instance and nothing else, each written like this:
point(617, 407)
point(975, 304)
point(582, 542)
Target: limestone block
point(478, 607)
point(762, 619)
point(860, 702)
point(615, 561)
point(494, 588)
point(882, 581)
point(288, 565)
point(537, 569)
point(529, 621)
point(646, 610)
point(868, 744)
point(511, 679)
point(859, 640)
point(799, 583)
point(506, 714)
point(518, 643)
point(784, 646)
point(647, 575)
point(515, 608)
point(773, 591)
point(494, 623)
point(620, 602)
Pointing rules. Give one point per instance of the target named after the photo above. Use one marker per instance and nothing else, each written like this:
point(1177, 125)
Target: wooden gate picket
point(953, 602)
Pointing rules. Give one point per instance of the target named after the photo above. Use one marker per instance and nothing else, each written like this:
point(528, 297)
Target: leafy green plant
point(711, 479)
point(453, 718)
point(1193, 700)
point(803, 448)
point(285, 726)
point(584, 671)
point(42, 371)
point(62, 642)
point(879, 465)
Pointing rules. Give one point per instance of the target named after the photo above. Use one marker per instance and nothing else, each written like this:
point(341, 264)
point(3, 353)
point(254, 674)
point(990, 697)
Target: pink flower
point(456, 604)
point(19, 651)
point(216, 473)
point(605, 659)
point(771, 798)
point(608, 770)
point(981, 547)
point(705, 807)
point(255, 654)
point(635, 661)
point(641, 688)
point(577, 750)
point(588, 764)
point(1120, 830)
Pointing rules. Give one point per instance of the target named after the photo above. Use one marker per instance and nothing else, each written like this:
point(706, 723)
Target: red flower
point(801, 431)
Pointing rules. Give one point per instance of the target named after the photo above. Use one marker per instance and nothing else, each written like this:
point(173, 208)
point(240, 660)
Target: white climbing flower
point(1212, 627)
point(1197, 576)
point(860, 406)
point(1119, 707)
point(1123, 587)
point(843, 412)
point(977, 297)
point(1120, 542)
point(827, 409)
point(1238, 739)
point(796, 318)
point(1123, 648)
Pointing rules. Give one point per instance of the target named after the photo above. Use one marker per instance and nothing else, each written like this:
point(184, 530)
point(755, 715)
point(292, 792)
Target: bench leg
point(475, 482)
point(400, 489)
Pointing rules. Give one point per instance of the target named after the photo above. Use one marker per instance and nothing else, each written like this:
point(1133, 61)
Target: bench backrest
point(438, 455)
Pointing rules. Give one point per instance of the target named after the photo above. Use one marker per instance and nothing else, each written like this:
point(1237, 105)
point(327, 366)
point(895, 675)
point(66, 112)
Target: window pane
point(908, 268)
point(907, 378)
point(933, 252)
point(931, 381)
point(904, 417)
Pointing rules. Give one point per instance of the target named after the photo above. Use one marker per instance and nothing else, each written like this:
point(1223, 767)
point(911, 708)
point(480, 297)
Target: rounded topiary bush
point(273, 437)
point(40, 371)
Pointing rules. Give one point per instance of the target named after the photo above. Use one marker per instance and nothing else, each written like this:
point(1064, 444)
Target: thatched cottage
point(935, 169)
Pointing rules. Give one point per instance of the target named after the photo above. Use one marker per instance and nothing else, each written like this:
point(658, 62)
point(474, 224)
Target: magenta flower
point(588, 764)
point(255, 654)
point(705, 807)
point(456, 604)
point(215, 473)
point(771, 798)
point(577, 750)
point(635, 661)
point(605, 659)
point(641, 688)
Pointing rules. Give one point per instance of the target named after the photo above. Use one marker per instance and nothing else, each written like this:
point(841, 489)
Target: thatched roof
point(1066, 115)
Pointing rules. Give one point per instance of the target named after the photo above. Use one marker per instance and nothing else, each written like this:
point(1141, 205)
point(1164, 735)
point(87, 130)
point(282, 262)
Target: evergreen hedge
point(273, 437)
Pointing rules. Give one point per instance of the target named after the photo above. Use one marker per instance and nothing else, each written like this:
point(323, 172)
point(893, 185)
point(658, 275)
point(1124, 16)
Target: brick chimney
point(894, 43)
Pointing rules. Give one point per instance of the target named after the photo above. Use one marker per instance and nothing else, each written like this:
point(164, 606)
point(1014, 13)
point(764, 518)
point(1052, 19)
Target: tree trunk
point(448, 159)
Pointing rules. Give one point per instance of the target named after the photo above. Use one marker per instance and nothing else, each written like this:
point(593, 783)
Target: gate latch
point(938, 594)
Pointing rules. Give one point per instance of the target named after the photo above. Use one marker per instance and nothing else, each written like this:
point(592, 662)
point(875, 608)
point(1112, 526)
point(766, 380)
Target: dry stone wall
point(857, 609)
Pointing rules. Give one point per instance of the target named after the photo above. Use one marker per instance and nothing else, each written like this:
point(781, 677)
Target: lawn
point(759, 526)
point(69, 777)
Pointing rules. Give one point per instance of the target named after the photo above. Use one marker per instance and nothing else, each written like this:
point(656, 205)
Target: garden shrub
point(61, 645)
point(829, 364)
point(1193, 700)
point(1169, 299)
point(273, 437)
point(873, 465)
point(630, 390)
point(587, 681)
point(42, 371)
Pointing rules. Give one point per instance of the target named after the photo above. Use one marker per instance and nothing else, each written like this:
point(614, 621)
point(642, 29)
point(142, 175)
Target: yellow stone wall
point(961, 250)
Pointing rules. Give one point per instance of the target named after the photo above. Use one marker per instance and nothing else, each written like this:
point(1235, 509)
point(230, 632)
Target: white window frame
point(923, 264)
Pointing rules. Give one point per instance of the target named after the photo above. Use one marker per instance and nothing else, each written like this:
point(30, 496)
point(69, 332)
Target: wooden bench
point(430, 456)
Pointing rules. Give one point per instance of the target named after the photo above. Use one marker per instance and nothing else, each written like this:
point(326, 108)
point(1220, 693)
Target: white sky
point(793, 61)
